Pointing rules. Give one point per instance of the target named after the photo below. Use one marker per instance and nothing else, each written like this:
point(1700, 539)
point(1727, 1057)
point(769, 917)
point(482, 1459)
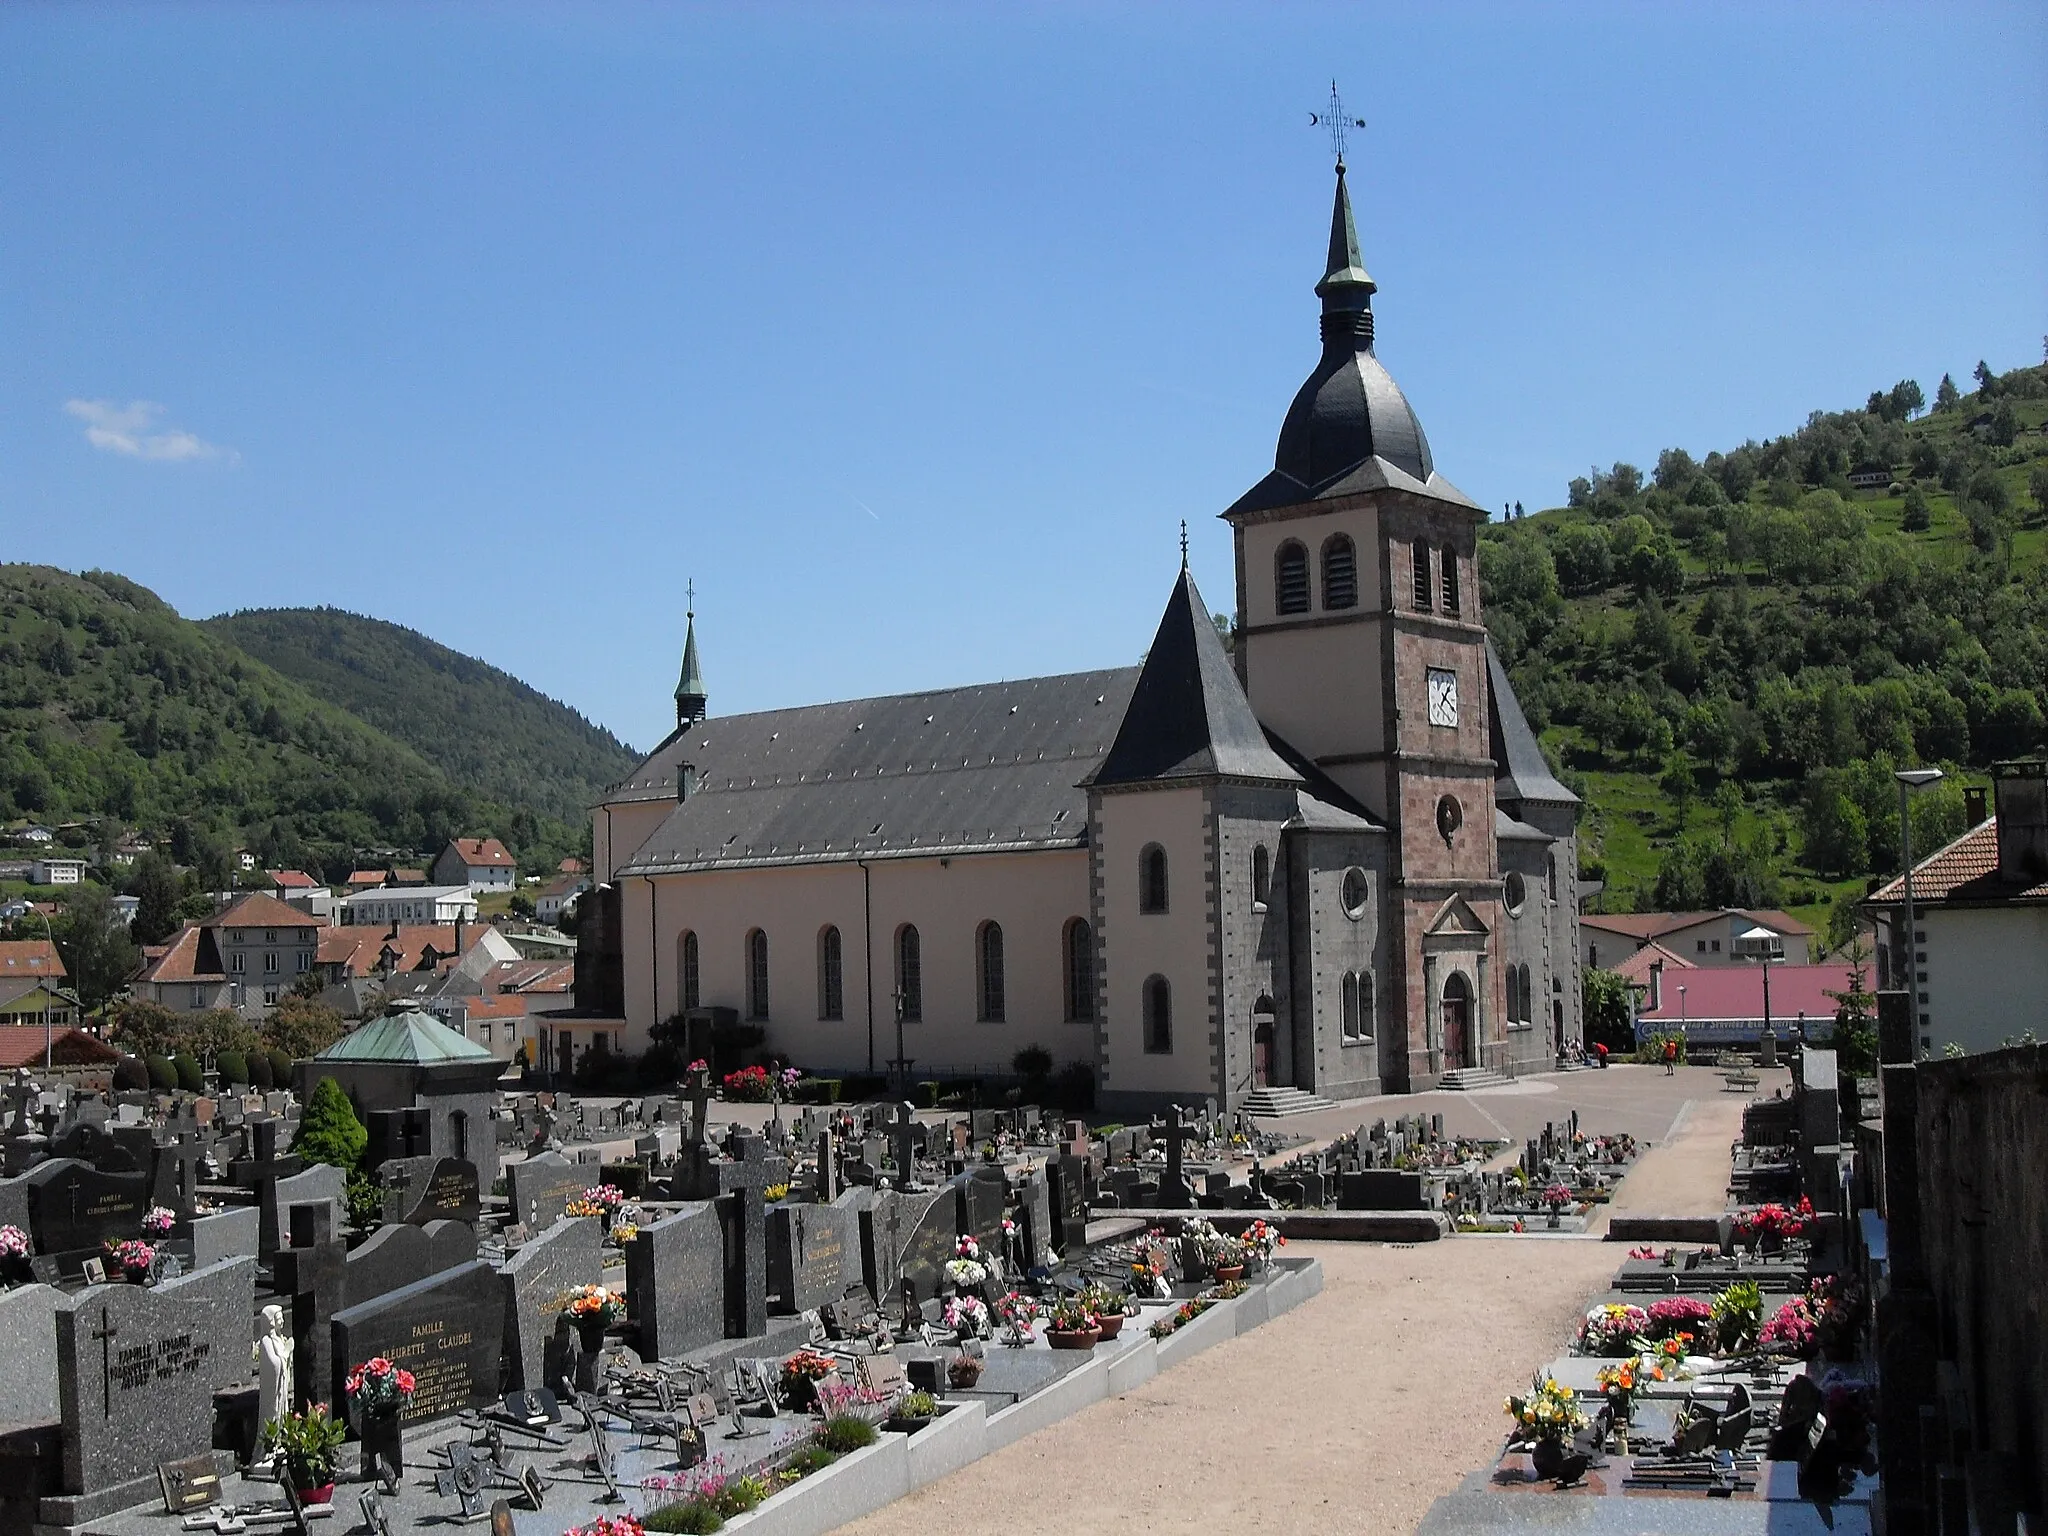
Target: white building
point(481, 863)
point(409, 904)
point(57, 872)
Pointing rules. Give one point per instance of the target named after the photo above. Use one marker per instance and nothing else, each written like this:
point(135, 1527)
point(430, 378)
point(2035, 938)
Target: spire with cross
point(690, 696)
point(1338, 123)
point(1183, 543)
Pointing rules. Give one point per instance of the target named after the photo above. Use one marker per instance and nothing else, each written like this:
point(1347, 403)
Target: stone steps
point(1279, 1103)
point(1464, 1079)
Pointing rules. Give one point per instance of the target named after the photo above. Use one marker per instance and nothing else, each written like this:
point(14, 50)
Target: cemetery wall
point(1983, 1141)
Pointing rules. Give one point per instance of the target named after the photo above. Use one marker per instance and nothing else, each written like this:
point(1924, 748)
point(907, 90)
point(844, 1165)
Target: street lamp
point(47, 982)
point(1681, 1010)
point(1911, 779)
point(1759, 943)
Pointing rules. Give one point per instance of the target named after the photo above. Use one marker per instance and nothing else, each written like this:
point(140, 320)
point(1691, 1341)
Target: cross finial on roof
point(1183, 543)
point(1334, 118)
point(690, 591)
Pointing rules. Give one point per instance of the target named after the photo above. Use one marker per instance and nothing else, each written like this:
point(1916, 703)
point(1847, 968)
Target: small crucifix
point(105, 1334)
point(1337, 121)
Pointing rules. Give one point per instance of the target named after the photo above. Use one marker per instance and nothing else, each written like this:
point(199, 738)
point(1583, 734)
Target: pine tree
point(1946, 396)
point(329, 1131)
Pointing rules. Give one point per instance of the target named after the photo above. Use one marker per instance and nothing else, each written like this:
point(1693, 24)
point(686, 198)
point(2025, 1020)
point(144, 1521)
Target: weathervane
point(690, 587)
point(1333, 118)
point(1183, 543)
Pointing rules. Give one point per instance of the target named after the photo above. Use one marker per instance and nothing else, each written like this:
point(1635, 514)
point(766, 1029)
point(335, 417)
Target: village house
point(1703, 938)
point(409, 904)
point(245, 957)
point(31, 971)
point(52, 871)
point(481, 863)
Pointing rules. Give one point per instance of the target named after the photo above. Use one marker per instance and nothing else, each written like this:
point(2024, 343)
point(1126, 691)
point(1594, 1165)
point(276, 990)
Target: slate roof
point(986, 768)
point(1965, 873)
point(1636, 968)
point(1644, 926)
point(182, 960)
point(1188, 716)
point(410, 1035)
point(1520, 769)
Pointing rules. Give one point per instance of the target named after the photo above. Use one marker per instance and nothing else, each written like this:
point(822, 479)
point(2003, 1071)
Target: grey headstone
point(232, 1282)
point(813, 1253)
point(229, 1234)
point(984, 1201)
point(538, 1280)
point(320, 1182)
point(399, 1255)
point(542, 1187)
point(28, 1322)
point(448, 1330)
point(886, 1230)
point(423, 1189)
point(73, 1207)
point(676, 1280)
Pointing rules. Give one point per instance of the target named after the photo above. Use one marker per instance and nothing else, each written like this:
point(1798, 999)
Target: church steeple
point(1347, 288)
point(690, 697)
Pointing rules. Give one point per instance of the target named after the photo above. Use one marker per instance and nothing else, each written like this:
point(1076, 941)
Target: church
point(1323, 857)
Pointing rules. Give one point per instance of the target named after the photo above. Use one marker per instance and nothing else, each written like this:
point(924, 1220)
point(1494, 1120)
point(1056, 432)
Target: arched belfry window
point(1340, 573)
point(757, 974)
point(909, 974)
point(1290, 578)
point(989, 967)
point(1262, 875)
point(1152, 879)
point(1158, 1016)
point(1423, 588)
point(1450, 579)
point(1527, 988)
point(1080, 972)
point(831, 988)
point(692, 985)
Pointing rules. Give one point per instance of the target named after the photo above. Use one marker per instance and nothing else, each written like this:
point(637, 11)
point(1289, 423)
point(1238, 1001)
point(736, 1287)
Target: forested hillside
point(480, 726)
point(113, 706)
point(1730, 654)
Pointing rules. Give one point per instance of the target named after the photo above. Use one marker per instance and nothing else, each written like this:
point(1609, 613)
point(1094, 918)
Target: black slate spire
point(1188, 716)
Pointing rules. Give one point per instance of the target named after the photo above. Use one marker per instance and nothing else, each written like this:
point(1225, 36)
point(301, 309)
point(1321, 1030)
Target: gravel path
point(1352, 1413)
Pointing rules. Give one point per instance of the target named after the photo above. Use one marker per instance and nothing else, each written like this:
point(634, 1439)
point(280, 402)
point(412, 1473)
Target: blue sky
point(909, 332)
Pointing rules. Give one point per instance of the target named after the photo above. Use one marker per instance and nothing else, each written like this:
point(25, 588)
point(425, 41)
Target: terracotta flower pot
point(1227, 1272)
point(1079, 1338)
point(324, 1494)
point(963, 1373)
point(1109, 1327)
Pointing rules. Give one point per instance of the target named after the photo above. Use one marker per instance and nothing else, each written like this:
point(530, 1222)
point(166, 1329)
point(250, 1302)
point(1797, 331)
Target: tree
point(1837, 835)
point(1918, 516)
point(1855, 1031)
point(1675, 470)
point(1583, 558)
point(98, 954)
point(1680, 783)
point(1906, 399)
point(1987, 505)
point(155, 884)
point(300, 1027)
point(1946, 396)
point(1987, 381)
point(1608, 1020)
point(2037, 484)
point(329, 1131)
point(2005, 424)
point(1727, 807)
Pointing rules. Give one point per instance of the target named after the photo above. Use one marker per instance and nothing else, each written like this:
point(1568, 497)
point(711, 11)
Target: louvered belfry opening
point(1290, 579)
point(1422, 582)
point(1340, 573)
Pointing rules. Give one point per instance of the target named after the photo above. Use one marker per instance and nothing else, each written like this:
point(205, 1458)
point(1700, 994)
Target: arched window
point(1340, 573)
point(1528, 996)
point(1450, 579)
point(1158, 1016)
point(1366, 1005)
point(1422, 582)
point(1290, 578)
point(831, 994)
point(909, 975)
point(988, 964)
point(1262, 875)
point(1553, 877)
point(1152, 879)
point(692, 986)
point(1080, 973)
point(757, 974)
point(1350, 998)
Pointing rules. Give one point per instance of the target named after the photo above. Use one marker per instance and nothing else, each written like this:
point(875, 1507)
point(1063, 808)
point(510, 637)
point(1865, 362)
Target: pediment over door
point(1455, 926)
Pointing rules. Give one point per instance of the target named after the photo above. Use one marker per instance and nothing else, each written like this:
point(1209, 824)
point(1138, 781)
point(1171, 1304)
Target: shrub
point(191, 1076)
point(860, 1087)
point(1652, 1049)
point(692, 1517)
point(1073, 1088)
point(365, 1201)
point(846, 1433)
point(162, 1075)
point(741, 1494)
point(1034, 1061)
point(130, 1075)
point(329, 1131)
point(280, 1068)
point(260, 1075)
point(817, 1090)
point(233, 1067)
point(812, 1458)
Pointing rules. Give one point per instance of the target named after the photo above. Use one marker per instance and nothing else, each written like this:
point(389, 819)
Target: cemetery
point(403, 1296)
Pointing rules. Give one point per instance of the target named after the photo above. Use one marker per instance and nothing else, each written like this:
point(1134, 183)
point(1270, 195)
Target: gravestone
point(73, 1207)
point(746, 1247)
point(542, 1187)
point(394, 1257)
point(813, 1251)
point(984, 1202)
point(275, 1197)
point(930, 1243)
point(447, 1329)
point(885, 1226)
point(228, 1234)
point(537, 1281)
point(28, 1322)
point(136, 1368)
point(1066, 1181)
point(423, 1189)
point(1381, 1189)
point(1174, 1194)
point(309, 1274)
point(232, 1283)
point(903, 1145)
point(676, 1277)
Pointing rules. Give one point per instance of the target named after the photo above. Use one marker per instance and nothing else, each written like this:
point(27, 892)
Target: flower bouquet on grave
point(965, 1269)
point(797, 1382)
point(303, 1447)
point(1555, 1198)
point(1202, 1247)
point(1228, 1259)
point(967, 1316)
point(749, 1085)
point(378, 1392)
point(1839, 1308)
point(15, 1251)
point(962, 1371)
point(1678, 1314)
point(1261, 1240)
point(1618, 1382)
point(600, 1200)
point(1738, 1317)
point(1666, 1358)
point(133, 1258)
point(1545, 1420)
point(593, 1310)
point(1018, 1312)
point(1792, 1331)
point(1769, 1227)
point(158, 1222)
point(611, 1525)
point(1612, 1330)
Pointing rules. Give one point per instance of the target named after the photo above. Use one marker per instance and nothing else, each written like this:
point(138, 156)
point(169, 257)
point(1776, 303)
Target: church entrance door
point(1262, 1053)
point(1457, 1019)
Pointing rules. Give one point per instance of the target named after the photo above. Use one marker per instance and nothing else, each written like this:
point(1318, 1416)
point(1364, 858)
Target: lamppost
point(1759, 943)
point(47, 982)
point(1911, 779)
point(1681, 1011)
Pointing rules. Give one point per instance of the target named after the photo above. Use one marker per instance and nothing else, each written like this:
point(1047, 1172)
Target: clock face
point(1443, 696)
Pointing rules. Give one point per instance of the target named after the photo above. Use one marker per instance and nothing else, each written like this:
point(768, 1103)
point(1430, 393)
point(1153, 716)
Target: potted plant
point(378, 1392)
point(801, 1373)
point(1107, 1307)
point(159, 1222)
point(913, 1412)
point(1227, 1259)
point(304, 1446)
point(1545, 1419)
point(15, 1252)
point(1738, 1317)
point(1070, 1325)
point(1555, 1198)
point(962, 1372)
point(1261, 1241)
point(133, 1258)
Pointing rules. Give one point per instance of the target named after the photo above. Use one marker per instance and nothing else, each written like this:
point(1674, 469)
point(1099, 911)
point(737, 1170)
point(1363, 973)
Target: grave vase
point(383, 1440)
point(590, 1334)
point(1229, 1272)
point(1547, 1456)
point(1110, 1325)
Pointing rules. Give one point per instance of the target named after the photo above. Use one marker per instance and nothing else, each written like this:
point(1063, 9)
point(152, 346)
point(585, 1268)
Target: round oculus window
point(1449, 816)
point(1516, 893)
point(1355, 893)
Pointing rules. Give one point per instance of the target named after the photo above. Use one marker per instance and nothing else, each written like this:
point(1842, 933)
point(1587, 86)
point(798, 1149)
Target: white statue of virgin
point(274, 1366)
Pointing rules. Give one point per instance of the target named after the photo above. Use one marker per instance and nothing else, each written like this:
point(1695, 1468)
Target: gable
point(1455, 920)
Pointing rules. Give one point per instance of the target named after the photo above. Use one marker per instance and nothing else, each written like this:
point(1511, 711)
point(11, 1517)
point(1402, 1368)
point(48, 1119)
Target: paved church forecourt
point(1357, 1410)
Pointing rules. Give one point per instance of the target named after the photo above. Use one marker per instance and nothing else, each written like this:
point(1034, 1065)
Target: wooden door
point(1457, 1020)
point(1262, 1053)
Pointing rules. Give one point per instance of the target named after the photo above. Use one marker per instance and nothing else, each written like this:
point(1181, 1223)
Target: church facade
point(1329, 856)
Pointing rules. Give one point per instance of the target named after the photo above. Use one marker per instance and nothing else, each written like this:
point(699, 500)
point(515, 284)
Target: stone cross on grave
point(181, 1159)
point(311, 1272)
point(903, 1145)
point(828, 1168)
point(105, 1334)
point(747, 1314)
point(700, 1105)
point(1173, 1189)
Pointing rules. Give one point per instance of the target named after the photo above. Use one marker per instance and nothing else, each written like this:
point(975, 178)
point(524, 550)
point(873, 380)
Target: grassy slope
point(507, 740)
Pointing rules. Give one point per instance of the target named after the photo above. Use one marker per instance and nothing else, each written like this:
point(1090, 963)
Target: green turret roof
point(410, 1036)
point(690, 695)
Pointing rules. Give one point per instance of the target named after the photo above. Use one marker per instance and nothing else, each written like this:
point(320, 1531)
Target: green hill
point(478, 725)
point(1729, 655)
point(114, 707)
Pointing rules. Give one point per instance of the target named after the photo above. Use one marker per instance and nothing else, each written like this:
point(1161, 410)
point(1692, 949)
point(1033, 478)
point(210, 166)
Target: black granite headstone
point(424, 1189)
point(676, 1278)
point(448, 1330)
point(812, 1253)
point(74, 1207)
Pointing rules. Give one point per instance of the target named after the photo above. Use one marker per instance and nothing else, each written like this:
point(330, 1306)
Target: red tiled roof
point(1636, 968)
point(257, 910)
point(1645, 926)
point(358, 950)
point(21, 1045)
point(179, 959)
point(1965, 872)
point(292, 880)
point(1736, 992)
point(29, 957)
point(499, 1006)
point(482, 852)
point(530, 976)
point(365, 879)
